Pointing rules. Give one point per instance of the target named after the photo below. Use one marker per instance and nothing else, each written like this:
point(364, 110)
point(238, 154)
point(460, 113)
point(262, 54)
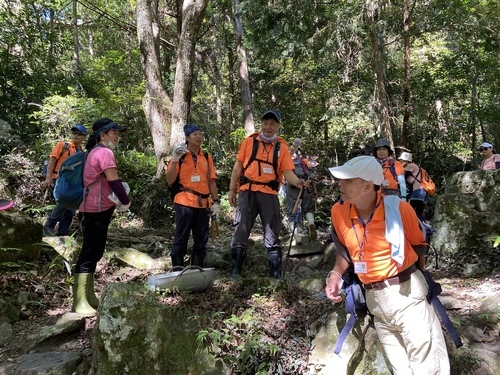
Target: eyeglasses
point(483, 148)
point(78, 133)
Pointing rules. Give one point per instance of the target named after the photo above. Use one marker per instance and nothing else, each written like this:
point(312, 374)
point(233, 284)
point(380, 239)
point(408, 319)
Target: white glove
point(115, 199)
point(215, 209)
point(123, 207)
point(178, 151)
point(297, 142)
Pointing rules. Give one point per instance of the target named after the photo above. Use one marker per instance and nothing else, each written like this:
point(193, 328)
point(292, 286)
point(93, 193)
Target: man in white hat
point(406, 323)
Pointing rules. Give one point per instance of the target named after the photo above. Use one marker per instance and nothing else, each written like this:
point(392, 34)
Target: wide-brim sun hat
point(382, 143)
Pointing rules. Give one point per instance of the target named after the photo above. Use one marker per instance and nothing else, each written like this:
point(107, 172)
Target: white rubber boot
point(312, 228)
point(296, 234)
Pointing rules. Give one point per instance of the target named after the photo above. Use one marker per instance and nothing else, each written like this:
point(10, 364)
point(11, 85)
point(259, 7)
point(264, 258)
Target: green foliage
point(242, 343)
point(465, 362)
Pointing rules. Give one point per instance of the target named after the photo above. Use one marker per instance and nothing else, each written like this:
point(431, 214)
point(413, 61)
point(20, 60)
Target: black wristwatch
point(215, 200)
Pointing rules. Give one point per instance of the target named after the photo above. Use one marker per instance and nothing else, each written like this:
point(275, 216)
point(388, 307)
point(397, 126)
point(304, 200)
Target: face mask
point(110, 145)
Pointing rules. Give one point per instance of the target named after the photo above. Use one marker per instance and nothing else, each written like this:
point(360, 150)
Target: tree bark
point(246, 94)
point(156, 103)
point(193, 12)
point(372, 13)
point(407, 69)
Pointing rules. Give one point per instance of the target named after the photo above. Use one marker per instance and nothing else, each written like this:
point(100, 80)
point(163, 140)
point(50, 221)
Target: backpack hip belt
point(396, 280)
point(273, 184)
point(200, 196)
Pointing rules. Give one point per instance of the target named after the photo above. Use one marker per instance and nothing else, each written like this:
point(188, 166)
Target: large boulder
point(466, 218)
point(20, 236)
point(135, 334)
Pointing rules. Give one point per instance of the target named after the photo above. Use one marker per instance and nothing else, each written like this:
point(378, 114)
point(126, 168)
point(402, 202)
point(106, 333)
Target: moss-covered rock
point(467, 215)
point(20, 237)
point(135, 334)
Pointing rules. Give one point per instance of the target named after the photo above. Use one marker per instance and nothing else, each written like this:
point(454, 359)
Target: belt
point(399, 278)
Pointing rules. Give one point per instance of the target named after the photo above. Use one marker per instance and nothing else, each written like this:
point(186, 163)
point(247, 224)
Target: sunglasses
point(483, 148)
point(78, 133)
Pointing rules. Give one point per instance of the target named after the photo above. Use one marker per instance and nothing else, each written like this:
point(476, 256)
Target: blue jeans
point(62, 216)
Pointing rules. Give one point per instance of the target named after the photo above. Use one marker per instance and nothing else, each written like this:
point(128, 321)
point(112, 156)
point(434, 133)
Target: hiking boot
point(48, 232)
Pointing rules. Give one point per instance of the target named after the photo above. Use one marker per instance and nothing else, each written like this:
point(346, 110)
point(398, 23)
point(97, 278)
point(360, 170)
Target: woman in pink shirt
point(491, 160)
point(100, 177)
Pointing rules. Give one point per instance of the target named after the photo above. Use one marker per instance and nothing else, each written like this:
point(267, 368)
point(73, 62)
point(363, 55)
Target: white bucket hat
point(406, 156)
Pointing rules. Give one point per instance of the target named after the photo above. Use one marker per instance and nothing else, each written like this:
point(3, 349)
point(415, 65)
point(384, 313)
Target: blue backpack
point(69, 190)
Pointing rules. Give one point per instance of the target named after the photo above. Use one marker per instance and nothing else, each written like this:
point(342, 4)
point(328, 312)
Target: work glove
point(297, 142)
point(123, 207)
point(178, 151)
point(215, 209)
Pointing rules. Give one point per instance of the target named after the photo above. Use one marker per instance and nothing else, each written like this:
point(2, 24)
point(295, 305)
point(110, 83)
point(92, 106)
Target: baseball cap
point(105, 124)
point(271, 113)
point(364, 167)
point(80, 128)
point(486, 145)
point(190, 128)
point(406, 156)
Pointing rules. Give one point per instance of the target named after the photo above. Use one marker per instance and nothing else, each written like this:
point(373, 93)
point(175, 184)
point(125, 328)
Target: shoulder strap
point(64, 149)
point(392, 168)
point(419, 174)
point(255, 148)
point(181, 161)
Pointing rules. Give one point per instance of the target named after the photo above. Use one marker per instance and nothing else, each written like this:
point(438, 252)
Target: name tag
point(195, 178)
point(360, 267)
point(267, 170)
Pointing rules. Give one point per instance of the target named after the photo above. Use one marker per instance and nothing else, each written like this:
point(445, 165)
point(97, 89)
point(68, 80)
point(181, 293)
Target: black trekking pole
point(294, 211)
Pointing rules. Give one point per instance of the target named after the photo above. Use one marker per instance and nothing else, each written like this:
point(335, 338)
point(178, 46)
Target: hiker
point(491, 160)
point(304, 171)
point(96, 210)
point(59, 153)
point(394, 173)
point(406, 323)
point(416, 193)
point(262, 160)
point(192, 205)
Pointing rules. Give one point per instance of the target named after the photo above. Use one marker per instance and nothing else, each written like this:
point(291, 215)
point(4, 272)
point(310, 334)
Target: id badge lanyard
point(360, 266)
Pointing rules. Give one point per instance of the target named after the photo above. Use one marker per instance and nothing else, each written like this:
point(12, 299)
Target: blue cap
point(80, 128)
point(190, 128)
point(271, 113)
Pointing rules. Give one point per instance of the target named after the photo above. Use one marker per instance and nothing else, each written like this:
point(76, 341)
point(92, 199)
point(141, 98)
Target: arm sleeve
point(402, 185)
point(119, 190)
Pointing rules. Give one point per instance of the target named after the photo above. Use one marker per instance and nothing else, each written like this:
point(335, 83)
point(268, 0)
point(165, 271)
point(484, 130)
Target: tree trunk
point(193, 12)
point(76, 50)
point(246, 94)
point(372, 13)
point(156, 103)
point(407, 68)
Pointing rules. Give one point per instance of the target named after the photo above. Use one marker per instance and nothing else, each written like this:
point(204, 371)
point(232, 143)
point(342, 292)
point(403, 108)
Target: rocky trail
point(43, 295)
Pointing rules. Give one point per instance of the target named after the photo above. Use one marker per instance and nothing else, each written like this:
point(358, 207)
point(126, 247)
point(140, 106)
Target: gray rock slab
point(53, 363)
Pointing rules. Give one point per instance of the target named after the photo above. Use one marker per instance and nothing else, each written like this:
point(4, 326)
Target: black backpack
point(273, 184)
point(176, 186)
